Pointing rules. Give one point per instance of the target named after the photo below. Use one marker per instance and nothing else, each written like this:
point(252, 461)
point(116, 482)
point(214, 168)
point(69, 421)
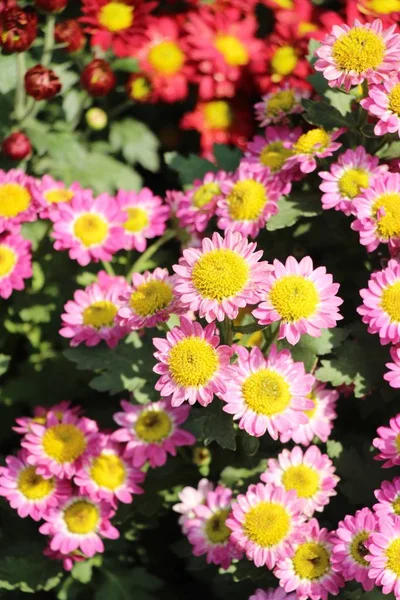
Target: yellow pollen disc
point(100, 314)
point(220, 274)
point(81, 517)
point(352, 182)
point(246, 200)
point(267, 524)
point(284, 60)
point(306, 27)
point(218, 114)
point(311, 561)
point(396, 505)
point(388, 225)
point(397, 442)
point(192, 362)
point(91, 229)
point(64, 443)
point(153, 426)
point(116, 16)
point(205, 193)
point(56, 196)
point(384, 7)
point(311, 412)
point(358, 50)
point(266, 392)
point(14, 199)
point(151, 297)
point(215, 529)
point(288, 4)
point(166, 58)
point(393, 556)
point(358, 549)
point(274, 155)
point(311, 142)
point(390, 302)
point(280, 102)
point(8, 260)
point(303, 479)
point(137, 220)
point(294, 297)
point(394, 99)
point(32, 486)
point(140, 88)
point(108, 471)
point(232, 49)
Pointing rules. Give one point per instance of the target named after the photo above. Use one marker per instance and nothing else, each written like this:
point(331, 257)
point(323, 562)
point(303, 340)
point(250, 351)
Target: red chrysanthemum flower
point(305, 21)
point(286, 63)
point(69, 32)
point(388, 11)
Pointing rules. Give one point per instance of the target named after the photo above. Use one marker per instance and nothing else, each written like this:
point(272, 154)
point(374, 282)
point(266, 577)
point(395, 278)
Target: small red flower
point(305, 21)
point(16, 146)
point(70, 32)
point(286, 64)
point(97, 78)
point(51, 6)
point(17, 29)
point(41, 83)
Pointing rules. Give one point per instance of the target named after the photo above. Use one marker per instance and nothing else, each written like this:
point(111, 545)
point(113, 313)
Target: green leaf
point(309, 348)
point(228, 159)
point(118, 584)
point(83, 571)
point(313, 46)
point(189, 168)
point(136, 142)
point(390, 151)
point(213, 425)
point(291, 209)
point(25, 568)
point(8, 73)
point(35, 232)
point(323, 115)
point(4, 363)
point(129, 65)
point(339, 100)
point(334, 449)
point(73, 103)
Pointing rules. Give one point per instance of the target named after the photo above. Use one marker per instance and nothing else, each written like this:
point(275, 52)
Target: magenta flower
point(40, 414)
point(393, 375)
point(17, 203)
point(388, 443)
point(277, 105)
point(315, 143)
point(50, 193)
point(383, 102)
point(383, 555)
point(15, 263)
point(388, 497)
point(190, 498)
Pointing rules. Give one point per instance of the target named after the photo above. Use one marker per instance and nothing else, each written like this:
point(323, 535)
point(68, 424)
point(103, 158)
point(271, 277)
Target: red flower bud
point(16, 146)
point(70, 32)
point(41, 83)
point(17, 29)
point(97, 78)
point(51, 6)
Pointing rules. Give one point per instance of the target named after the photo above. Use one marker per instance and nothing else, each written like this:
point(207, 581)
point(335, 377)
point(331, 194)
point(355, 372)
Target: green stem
point(227, 331)
point(48, 40)
point(19, 109)
point(141, 263)
point(270, 341)
point(108, 267)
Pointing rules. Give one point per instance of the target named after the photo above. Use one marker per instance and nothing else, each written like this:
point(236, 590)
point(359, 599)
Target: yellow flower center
point(312, 142)
point(8, 260)
point(266, 392)
point(153, 426)
point(215, 529)
point(100, 314)
point(384, 7)
point(303, 479)
point(274, 155)
point(267, 524)
point(205, 193)
point(288, 4)
point(358, 50)
point(56, 196)
point(393, 556)
point(108, 471)
point(397, 442)
point(306, 27)
point(352, 182)
point(137, 219)
point(394, 99)
point(396, 505)
point(91, 229)
point(34, 486)
point(284, 61)
point(151, 297)
point(358, 549)
point(311, 412)
point(311, 560)
point(246, 200)
point(14, 199)
point(232, 49)
point(294, 297)
point(40, 420)
point(280, 102)
point(218, 114)
point(220, 274)
point(64, 443)
point(116, 16)
point(388, 224)
point(140, 88)
point(81, 517)
point(390, 302)
point(192, 362)
point(166, 58)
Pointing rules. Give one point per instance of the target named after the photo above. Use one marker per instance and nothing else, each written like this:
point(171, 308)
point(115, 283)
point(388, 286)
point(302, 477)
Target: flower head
point(393, 375)
point(383, 102)
point(15, 263)
point(272, 594)
point(277, 105)
point(388, 443)
point(17, 204)
point(50, 193)
point(40, 414)
point(388, 497)
point(190, 498)
point(315, 143)
point(384, 554)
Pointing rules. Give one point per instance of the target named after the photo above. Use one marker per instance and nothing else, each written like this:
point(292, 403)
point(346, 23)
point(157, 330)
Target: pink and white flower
point(383, 555)
point(383, 102)
point(278, 104)
point(388, 443)
point(393, 375)
point(190, 498)
point(50, 193)
point(17, 204)
point(15, 263)
point(315, 143)
point(272, 594)
point(388, 497)
point(40, 414)
point(68, 560)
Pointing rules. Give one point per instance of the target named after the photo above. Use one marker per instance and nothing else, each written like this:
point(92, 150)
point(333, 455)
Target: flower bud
point(138, 87)
point(96, 118)
point(17, 29)
point(51, 6)
point(70, 32)
point(97, 78)
point(16, 146)
point(41, 83)
point(201, 456)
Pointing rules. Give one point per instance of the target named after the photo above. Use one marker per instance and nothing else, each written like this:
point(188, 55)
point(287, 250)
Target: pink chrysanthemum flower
point(68, 560)
point(15, 263)
point(89, 229)
point(17, 203)
point(380, 309)
point(92, 315)
point(310, 474)
point(278, 104)
point(350, 55)
point(61, 446)
point(383, 102)
point(145, 218)
point(207, 530)
point(267, 394)
point(378, 213)
point(248, 200)
point(79, 524)
point(265, 522)
point(27, 491)
point(150, 300)
point(388, 497)
point(40, 414)
point(152, 431)
point(347, 178)
point(307, 567)
point(192, 364)
point(315, 143)
point(349, 547)
point(302, 298)
point(49, 193)
point(384, 555)
point(388, 443)
point(320, 417)
point(190, 498)
point(272, 594)
point(109, 475)
point(224, 275)
point(393, 375)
